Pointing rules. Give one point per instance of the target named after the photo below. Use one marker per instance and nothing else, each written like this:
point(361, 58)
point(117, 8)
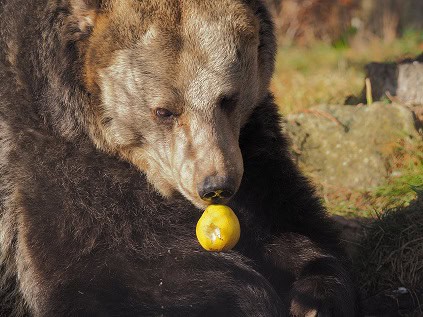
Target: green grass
point(323, 73)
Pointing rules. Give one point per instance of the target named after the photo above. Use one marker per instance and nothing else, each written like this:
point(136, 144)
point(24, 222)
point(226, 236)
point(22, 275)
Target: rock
point(349, 146)
point(410, 83)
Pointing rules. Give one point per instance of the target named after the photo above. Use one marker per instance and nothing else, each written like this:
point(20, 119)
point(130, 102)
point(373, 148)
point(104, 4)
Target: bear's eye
point(228, 103)
point(163, 113)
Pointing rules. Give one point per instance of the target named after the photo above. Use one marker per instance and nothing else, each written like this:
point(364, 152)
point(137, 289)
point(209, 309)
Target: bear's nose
point(216, 189)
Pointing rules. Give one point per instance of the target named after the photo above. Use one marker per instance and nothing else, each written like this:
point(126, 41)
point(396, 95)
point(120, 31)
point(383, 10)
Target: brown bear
point(120, 120)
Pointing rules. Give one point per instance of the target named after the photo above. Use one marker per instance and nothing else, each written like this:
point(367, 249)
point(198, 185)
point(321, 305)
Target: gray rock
point(410, 83)
point(349, 146)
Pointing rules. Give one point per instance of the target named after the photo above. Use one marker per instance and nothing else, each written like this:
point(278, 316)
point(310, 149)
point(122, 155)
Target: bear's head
point(171, 84)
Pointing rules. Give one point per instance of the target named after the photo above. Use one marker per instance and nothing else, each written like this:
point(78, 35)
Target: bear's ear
point(82, 17)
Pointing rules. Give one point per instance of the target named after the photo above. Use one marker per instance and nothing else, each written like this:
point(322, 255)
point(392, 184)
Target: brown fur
point(114, 115)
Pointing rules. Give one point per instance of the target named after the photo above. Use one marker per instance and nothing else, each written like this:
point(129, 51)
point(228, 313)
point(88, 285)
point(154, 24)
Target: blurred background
point(349, 82)
point(338, 37)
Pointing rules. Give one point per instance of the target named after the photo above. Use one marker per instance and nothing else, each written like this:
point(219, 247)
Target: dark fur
point(102, 242)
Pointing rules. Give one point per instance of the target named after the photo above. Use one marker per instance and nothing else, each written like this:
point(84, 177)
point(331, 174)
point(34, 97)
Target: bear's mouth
point(221, 197)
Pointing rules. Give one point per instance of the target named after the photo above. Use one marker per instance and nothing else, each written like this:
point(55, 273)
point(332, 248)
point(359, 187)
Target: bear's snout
point(217, 189)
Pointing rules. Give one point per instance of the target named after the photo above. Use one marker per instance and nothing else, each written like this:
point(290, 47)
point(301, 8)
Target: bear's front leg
point(176, 284)
point(321, 285)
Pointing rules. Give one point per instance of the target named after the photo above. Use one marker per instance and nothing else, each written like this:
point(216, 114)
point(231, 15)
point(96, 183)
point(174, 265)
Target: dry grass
point(299, 88)
point(391, 256)
point(394, 251)
point(321, 73)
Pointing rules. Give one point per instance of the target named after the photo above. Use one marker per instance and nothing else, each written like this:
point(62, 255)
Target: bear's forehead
point(207, 30)
point(206, 35)
point(191, 48)
point(185, 17)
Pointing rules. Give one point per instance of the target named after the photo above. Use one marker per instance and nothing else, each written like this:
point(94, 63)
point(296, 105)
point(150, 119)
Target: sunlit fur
point(186, 60)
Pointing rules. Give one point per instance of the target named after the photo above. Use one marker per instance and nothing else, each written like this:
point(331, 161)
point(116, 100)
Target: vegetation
point(326, 73)
point(389, 264)
point(322, 73)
